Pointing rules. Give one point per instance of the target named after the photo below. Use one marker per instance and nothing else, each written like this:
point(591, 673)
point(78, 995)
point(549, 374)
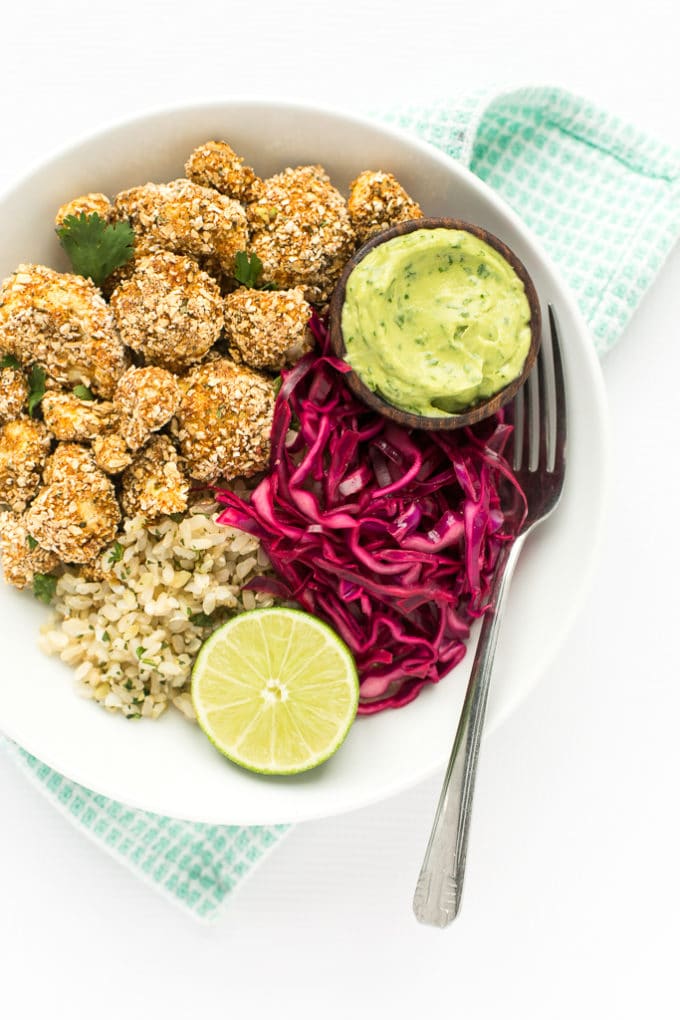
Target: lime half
point(276, 690)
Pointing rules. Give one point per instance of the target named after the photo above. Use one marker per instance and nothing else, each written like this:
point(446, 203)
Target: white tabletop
point(572, 891)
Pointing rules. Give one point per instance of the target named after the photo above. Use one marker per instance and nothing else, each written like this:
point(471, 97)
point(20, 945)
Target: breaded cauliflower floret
point(267, 329)
point(144, 245)
point(300, 229)
point(154, 484)
point(140, 206)
point(111, 453)
point(224, 421)
point(61, 321)
point(13, 394)
point(216, 165)
point(169, 310)
point(145, 400)
point(187, 219)
point(94, 202)
point(74, 420)
point(77, 513)
point(24, 447)
point(21, 556)
point(378, 201)
point(66, 460)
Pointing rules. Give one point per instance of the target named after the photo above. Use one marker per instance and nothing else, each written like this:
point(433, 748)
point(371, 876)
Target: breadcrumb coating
point(21, 557)
point(93, 202)
point(154, 484)
point(145, 400)
point(13, 394)
point(216, 165)
point(24, 448)
point(74, 420)
point(201, 222)
point(186, 218)
point(66, 460)
point(378, 201)
point(301, 230)
point(169, 310)
point(111, 453)
point(144, 245)
point(223, 423)
point(61, 321)
point(77, 514)
point(267, 329)
point(140, 206)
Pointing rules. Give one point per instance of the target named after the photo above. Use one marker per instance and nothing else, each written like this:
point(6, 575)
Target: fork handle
point(438, 892)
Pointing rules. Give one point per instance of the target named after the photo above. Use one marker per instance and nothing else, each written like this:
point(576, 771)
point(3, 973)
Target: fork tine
point(560, 395)
point(544, 405)
point(518, 411)
point(528, 459)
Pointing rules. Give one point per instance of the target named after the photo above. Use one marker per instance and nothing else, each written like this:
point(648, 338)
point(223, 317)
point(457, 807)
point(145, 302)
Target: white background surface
point(572, 894)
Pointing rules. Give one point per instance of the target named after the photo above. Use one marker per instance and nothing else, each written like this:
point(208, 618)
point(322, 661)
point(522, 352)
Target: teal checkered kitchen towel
point(605, 201)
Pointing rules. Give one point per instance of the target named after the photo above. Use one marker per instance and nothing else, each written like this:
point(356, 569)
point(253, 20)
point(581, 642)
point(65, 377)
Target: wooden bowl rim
point(480, 411)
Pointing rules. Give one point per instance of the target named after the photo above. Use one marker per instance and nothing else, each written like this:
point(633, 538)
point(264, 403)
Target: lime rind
point(275, 690)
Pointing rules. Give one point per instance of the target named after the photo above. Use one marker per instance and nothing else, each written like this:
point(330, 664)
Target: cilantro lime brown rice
point(135, 385)
point(133, 628)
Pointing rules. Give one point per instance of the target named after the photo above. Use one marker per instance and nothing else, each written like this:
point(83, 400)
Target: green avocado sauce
point(435, 321)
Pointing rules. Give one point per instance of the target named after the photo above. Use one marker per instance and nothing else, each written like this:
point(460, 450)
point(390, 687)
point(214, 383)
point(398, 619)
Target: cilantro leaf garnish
point(36, 387)
point(139, 652)
point(247, 268)
point(31, 542)
point(44, 587)
point(201, 619)
point(94, 246)
point(83, 392)
point(116, 554)
point(9, 361)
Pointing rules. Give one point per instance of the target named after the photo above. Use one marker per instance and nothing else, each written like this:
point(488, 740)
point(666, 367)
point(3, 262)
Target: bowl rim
point(477, 412)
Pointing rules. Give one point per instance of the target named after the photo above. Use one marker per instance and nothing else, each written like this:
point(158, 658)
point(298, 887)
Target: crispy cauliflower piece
point(144, 245)
point(378, 201)
point(22, 558)
point(13, 394)
point(267, 329)
point(93, 202)
point(140, 206)
point(224, 421)
point(111, 453)
point(74, 420)
point(169, 310)
point(66, 459)
point(187, 219)
point(61, 321)
point(154, 484)
point(301, 230)
point(145, 400)
point(216, 165)
point(24, 447)
point(76, 513)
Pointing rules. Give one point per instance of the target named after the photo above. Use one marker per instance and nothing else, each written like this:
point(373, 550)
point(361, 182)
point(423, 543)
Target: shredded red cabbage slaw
point(387, 534)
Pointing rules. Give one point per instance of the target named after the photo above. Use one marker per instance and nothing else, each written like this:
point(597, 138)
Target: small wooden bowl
point(476, 412)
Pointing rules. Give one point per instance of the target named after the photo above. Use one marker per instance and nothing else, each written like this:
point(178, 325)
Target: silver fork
point(540, 417)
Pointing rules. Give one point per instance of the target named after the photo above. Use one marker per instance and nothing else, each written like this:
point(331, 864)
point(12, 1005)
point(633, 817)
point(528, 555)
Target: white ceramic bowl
point(168, 766)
